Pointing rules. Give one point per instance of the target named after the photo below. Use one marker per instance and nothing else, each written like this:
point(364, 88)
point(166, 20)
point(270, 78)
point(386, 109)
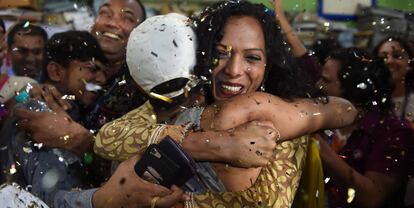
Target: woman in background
point(371, 170)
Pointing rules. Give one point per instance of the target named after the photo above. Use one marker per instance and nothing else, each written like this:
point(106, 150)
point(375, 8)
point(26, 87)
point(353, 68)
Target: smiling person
point(112, 27)
point(114, 23)
point(72, 59)
point(242, 51)
point(398, 55)
point(26, 48)
point(239, 52)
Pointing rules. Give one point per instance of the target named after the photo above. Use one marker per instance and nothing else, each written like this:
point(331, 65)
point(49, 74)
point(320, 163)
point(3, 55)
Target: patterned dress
point(275, 186)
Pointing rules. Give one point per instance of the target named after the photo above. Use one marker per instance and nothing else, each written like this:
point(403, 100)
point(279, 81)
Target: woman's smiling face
point(241, 58)
point(396, 58)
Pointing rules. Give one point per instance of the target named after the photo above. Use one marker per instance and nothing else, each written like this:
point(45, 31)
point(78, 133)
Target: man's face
point(329, 82)
point(77, 75)
point(116, 20)
point(26, 55)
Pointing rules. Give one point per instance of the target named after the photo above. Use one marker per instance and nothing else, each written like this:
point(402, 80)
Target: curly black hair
point(323, 47)
point(282, 77)
point(365, 82)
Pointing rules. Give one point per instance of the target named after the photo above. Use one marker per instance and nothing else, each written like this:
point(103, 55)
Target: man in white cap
point(161, 54)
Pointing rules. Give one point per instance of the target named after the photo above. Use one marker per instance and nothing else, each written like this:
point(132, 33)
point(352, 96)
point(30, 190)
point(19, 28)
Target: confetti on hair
point(351, 195)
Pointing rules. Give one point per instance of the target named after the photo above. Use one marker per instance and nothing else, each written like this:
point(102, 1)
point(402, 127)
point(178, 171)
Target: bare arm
point(134, 132)
point(55, 130)
point(236, 147)
point(298, 49)
point(306, 115)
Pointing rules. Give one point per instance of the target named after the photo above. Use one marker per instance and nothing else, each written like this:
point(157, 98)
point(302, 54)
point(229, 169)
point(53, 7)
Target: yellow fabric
point(275, 187)
point(132, 133)
point(117, 139)
point(311, 192)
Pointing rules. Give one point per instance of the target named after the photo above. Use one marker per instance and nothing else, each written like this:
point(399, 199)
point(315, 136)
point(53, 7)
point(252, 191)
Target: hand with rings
point(126, 189)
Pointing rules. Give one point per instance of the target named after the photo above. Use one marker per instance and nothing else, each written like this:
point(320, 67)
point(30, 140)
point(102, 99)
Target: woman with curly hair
point(398, 55)
point(241, 51)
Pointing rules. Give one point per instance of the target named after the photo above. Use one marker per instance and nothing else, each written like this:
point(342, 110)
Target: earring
point(262, 88)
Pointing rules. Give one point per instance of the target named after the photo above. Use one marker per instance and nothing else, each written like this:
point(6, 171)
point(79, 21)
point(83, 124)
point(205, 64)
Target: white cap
point(160, 49)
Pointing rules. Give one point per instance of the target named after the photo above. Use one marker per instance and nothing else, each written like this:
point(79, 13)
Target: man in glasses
point(26, 44)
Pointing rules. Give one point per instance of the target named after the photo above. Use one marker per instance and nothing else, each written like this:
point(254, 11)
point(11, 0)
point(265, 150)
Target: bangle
point(189, 203)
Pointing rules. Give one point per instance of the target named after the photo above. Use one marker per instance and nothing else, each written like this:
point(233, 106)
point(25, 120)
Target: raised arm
point(298, 49)
point(305, 115)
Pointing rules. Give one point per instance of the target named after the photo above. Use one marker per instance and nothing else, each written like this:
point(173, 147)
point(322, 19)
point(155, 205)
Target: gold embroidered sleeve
point(133, 133)
point(126, 136)
point(275, 187)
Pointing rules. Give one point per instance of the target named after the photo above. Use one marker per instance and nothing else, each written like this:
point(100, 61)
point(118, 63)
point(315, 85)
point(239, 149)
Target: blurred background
point(360, 23)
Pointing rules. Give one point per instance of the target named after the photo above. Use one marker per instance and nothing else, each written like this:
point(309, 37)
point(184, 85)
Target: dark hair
point(25, 28)
point(323, 47)
point(403, 43)
point(365, 82)
point(2, 25)
point(144, 13)
point(409, 77)
point(281, 78)
point(65, 47)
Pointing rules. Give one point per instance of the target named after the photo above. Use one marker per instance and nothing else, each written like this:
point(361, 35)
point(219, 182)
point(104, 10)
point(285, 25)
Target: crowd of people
point(268, 122)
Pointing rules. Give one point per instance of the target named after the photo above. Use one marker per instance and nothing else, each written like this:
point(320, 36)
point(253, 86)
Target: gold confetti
point(66, 138)
point(215, 61)
point(229, 48)
point(351, 195)
point(68, 97)
point(161, 97)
